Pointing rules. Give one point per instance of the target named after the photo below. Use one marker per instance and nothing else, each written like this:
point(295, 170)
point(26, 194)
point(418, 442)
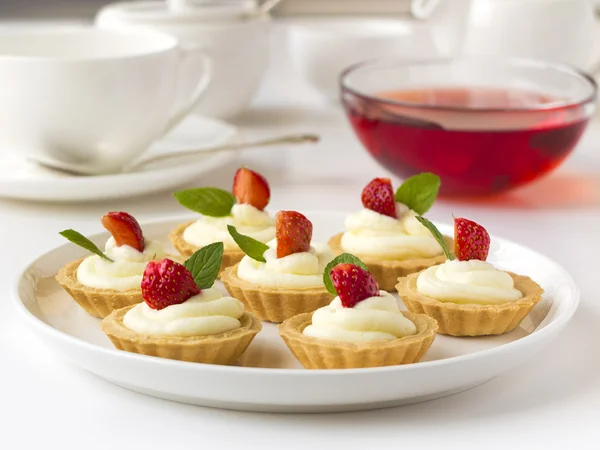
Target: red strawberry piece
point(378, 196)
point(251, 188)
point(471, 240)
point(167, 283)
point(293, 232)
point(353, 284)
point(125, 229)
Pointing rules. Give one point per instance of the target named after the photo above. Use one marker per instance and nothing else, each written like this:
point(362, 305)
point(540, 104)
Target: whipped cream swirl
point(373, 319)
point(126, 269)
point(472, 281)
point(201, 315)
point(298, 270)
point(248, 220)
point(369, 233)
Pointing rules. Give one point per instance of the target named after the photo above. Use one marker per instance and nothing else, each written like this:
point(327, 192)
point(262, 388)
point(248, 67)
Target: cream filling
point(298, 270)
point(247, 219)
point(126, 270)
point(204, 314)
point(369, 233)
point(472, 281)
point(373, 319)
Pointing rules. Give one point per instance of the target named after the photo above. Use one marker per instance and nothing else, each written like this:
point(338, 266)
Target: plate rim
point(34, 322)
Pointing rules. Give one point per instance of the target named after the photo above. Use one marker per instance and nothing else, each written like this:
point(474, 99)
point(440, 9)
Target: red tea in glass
point(479, 140)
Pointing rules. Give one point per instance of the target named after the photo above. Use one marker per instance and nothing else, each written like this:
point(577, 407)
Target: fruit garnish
point(344, 258)
point(378, 196)
point(251, 188)
point(79, 239)
point(209, 201)
point(471, 240)
point(167, 282)
point(419, 192)
point(293, 232)
point(437, 236)
point(353, 284)
point(250, 246)
point(124, 229)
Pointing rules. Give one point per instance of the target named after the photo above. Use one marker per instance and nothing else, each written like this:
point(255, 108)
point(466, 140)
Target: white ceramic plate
point(21, 179)
point(269, 378)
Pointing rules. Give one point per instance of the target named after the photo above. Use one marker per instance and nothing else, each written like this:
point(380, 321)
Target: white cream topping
point(369, 233)
point(373, 319)
point(247, 219)
point(204, 314)
point(468, 282)
point(126, 270)
point(297, 270)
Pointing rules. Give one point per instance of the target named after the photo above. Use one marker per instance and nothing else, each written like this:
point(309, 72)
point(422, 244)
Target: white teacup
point(92, 100)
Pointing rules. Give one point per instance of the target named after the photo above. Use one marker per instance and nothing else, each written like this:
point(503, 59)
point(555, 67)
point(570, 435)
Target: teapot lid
point(181, 10)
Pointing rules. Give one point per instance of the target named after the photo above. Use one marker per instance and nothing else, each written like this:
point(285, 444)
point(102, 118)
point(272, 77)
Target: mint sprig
point(344, 258)
point(209, 201)
point(419, 192)
point(205, 264)
point(251, 247)
point(79, 239)
point(437, 236)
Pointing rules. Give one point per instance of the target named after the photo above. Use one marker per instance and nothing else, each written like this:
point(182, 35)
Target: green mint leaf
point(251, 247)
point(209, 201)
point(79, 239)
point(437, 235)
point(205, 264)
point(419, 192)
point(344, 258)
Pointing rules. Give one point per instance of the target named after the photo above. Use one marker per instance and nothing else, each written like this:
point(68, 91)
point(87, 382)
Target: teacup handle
point(188, 55)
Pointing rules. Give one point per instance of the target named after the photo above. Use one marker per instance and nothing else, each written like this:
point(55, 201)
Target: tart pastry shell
point(387, 271)
point(314, 353)
point(274, 304)
point(230, 256)
point(96, 301)
point(468, 319)
point(224, 348)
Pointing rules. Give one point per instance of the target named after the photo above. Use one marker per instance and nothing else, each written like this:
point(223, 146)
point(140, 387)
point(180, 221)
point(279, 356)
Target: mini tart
point(460, 319)
point(223, 348)
point(96, 301)
point(230, 256)
point(273, 304)
point(314, 353)
point(387, 271)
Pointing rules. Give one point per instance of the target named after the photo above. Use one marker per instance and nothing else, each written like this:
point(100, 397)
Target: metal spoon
point(135, 165)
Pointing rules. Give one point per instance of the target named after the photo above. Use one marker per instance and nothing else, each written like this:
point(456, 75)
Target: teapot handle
point(422, 9)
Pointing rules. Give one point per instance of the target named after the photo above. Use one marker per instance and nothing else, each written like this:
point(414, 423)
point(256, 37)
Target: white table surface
point(552, 402)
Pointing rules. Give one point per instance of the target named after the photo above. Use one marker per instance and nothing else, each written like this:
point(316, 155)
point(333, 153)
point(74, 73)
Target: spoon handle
point(290, 139)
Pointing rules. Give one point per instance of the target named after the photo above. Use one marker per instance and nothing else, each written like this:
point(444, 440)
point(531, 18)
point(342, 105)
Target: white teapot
point(555, 30)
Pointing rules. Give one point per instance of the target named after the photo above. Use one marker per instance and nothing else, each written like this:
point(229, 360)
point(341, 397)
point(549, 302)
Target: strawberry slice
point(471, 240)
point(378, 196)
point(353, 284)
point(293, 232)
point(167, 283)
point(125, 229)
point(251, 188)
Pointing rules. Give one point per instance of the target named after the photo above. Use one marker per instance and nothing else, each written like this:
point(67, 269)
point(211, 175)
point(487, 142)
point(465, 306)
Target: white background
point(552, 402)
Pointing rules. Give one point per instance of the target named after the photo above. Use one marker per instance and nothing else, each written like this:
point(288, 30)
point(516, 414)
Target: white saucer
point(21, 179)
point(268, 377)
